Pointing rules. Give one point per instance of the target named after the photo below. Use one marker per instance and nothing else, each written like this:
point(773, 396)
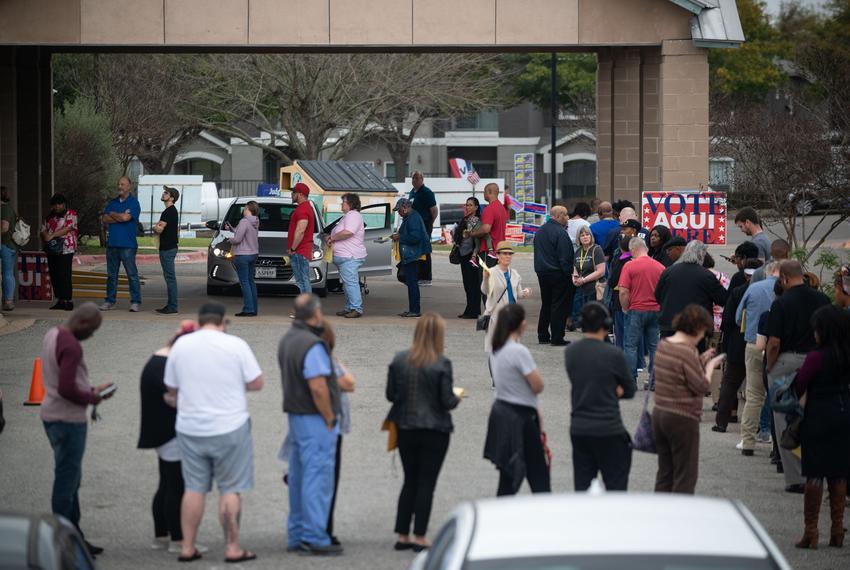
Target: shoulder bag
point(21, 235)
point(643, 439)
point(454, 255)
point(483, 322)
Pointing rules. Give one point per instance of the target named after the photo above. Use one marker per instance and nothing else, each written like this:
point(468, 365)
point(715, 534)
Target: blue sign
point(535, 208)
point(530, 229)
point(268, 190)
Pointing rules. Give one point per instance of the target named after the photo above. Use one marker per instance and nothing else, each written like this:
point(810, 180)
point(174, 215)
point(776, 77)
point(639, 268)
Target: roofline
point(693, 6)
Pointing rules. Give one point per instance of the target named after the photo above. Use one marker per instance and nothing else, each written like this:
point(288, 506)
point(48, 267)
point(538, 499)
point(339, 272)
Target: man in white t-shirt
point(581, 211)
point(207, 375)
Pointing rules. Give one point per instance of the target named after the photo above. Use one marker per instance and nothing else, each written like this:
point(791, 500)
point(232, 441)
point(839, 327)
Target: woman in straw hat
point(502, 286)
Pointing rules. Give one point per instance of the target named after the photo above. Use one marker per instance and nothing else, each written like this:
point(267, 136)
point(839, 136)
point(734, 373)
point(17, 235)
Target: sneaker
point(8, 306)
point(134, 307)
point(160, 543)
point(306, 549)
point(165, 311)
point(408, 314)
point(740, 445)
point(718, 429)
point(425, 283)
point(107, 306)
point(342, 313)
point(764, 437)
point(473, 261)
point(175, 547)
point(353, 315)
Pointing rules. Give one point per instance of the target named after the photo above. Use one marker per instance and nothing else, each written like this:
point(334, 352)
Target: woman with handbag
point(824, 379)
point(682, 377)
point(420, 387)
point(59, 234)
point(515, 437)
point(502, 286)
point(463, 254)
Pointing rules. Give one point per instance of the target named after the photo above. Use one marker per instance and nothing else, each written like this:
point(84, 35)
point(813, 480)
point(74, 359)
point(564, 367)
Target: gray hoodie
point(245, 240)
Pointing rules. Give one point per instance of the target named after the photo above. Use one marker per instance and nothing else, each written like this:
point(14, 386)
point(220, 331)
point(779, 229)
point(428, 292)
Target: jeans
point(301, 272)
point(765, 417)
point(619, 328)
point(311, 474)
point(244, 265)
point(9, 257)
point(348, 267)
point(68, 441)
point(166, 260)
point(422, 453)
point(640, 326)
point(411, 278)
point(115, 256)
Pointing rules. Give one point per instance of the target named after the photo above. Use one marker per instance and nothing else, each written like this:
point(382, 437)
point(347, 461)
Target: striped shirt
point(680, 383)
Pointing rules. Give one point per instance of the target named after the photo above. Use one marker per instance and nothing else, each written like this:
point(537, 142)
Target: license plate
point(265, 273)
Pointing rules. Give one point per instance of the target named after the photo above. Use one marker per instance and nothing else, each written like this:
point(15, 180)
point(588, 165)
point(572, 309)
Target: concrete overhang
point(716, 24)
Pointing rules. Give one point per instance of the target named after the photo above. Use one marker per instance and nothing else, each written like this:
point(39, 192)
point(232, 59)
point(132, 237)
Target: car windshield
point(623, 562)
point(273, 217)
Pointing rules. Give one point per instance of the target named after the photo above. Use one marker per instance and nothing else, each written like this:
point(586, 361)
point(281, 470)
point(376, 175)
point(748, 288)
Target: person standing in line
point(425, 203)
point(606, 223)
point(414, 243)
point(682, 377)
point(756, 301)
point(8, 249)
point(59, 234)
point(299, 237)
point(166, 228)
point(723, 279)
point(658, 237)
point(553, 262)
point(349, 254)
point(246, 248)
point(599, 376)
point(581, 211)
point(158, 432)
point(842, 287)
point(502, 286)
point(749, 222)
point(311, 402)
point(824, 380)
point(637, 297)
point(790, 338)
point(468, 249)
point(514, 441)
point(346, 383)
point(208, 374)
point(779, 251)
point(493, 222)
point(588, 267)
point(421, 390)
point(121, 217)
point(743, 253)
point(594, 209)
point(67, 395)
point(616, 308)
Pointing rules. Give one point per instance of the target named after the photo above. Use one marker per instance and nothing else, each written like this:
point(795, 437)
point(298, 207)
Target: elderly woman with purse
point(503, 286)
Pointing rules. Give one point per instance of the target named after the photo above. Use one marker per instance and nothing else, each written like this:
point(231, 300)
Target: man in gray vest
point(311, 400)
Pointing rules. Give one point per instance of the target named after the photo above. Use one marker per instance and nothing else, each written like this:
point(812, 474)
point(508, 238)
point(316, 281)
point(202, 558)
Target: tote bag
point(643, 439)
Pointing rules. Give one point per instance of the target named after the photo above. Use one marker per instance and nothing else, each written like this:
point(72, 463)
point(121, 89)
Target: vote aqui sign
point(690, 214)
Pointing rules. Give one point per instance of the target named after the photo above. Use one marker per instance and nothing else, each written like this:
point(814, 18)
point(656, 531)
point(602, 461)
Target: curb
point(144, 259)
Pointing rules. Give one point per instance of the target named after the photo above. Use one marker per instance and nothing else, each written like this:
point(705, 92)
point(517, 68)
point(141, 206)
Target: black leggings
point(166, 501)
point(471, 285)
point(422, 453)
point(536, 470)
point(336, 485)
point(60, 267)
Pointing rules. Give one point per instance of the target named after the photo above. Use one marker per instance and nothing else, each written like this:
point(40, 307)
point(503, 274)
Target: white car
point(607, 531)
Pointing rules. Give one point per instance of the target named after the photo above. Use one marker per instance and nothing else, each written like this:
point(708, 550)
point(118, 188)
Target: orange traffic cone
point(36, 385)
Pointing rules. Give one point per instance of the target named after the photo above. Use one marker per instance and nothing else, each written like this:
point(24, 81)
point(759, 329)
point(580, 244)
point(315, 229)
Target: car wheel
point(805, 207)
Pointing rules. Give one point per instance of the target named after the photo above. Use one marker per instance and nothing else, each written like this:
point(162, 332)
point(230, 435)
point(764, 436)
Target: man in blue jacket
point(414, 242)
point(121, 216)
point(553, 263)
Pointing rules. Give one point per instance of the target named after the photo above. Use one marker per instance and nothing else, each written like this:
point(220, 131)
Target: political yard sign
point(690, 214)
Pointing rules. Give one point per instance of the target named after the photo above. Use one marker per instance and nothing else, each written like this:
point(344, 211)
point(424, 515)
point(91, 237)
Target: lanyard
point(583, 258)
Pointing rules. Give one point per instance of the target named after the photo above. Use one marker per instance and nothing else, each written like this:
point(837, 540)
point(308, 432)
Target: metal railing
point(236, 188)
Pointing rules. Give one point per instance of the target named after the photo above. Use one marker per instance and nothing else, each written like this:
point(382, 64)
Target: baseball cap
point(173, 192)
point(634, 224)
point(402, 203)
point(301, 188)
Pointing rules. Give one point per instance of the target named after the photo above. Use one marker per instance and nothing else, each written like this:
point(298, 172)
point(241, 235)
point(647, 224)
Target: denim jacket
point(413, 239)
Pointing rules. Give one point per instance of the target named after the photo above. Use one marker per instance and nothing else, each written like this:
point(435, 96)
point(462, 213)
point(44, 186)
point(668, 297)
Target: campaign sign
point(33, 277)
point(535, 208)
point(690, 214)
point(530, 229)
point(513, 233)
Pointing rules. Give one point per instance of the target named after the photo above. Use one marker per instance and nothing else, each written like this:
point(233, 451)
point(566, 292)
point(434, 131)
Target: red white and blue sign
point(690, 214)
point(535, 208)
point(530, 229)
point(460, 168)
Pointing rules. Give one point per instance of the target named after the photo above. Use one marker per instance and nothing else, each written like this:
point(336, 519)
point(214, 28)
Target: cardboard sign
point(530, 229)
point(690, 214)
point(535, 208)
point(33, 277)
point(513, 233)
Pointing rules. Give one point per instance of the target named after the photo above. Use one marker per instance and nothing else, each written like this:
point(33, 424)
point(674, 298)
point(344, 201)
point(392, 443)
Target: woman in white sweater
point(502, 286)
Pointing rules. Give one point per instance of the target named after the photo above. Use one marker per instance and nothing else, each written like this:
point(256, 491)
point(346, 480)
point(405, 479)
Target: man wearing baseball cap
point(414, 243)
point(299, 239)
point(166, 229)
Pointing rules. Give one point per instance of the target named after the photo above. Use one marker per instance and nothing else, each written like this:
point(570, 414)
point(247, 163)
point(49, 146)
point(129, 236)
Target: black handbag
point(483, 322)
point(790, 438)
point(55, 246)
point(454, 255)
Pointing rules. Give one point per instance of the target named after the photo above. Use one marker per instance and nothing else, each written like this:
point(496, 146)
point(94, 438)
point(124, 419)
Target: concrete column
point(650, 120)
point(8, 123)
point(684, 115)
point(604, 123)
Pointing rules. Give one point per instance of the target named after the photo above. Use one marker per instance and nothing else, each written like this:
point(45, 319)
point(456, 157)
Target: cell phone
point(109, 390)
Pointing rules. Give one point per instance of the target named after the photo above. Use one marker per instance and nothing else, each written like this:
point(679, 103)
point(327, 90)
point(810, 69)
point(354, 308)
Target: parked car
point(809, 201)
point(605, 531)
point(41, 542)
point(273, 271)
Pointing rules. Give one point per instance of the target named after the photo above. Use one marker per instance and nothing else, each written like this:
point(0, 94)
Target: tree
point(85, 165)
point(576, 82)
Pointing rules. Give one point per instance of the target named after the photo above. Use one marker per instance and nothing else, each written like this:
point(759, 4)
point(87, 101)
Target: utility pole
point(553, 103)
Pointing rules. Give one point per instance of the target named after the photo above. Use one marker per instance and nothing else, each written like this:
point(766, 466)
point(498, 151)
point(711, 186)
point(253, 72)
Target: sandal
point(195, 556)
point(246, 556)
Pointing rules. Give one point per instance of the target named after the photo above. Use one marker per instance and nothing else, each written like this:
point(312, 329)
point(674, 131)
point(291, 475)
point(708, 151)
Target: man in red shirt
point(299, 239)
point(493, 221)
point(637, 297)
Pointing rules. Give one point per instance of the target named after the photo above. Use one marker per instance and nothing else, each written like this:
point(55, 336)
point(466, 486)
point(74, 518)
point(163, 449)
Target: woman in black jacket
point(157, 432)
point(824, 379)
point(658, 237)
point(419, 385)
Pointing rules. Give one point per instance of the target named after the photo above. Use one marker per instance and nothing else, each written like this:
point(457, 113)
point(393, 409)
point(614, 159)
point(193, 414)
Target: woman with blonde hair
point(588, 269)
point(420, 387)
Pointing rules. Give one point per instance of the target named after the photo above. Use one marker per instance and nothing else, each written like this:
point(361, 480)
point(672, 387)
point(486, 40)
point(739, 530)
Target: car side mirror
point(213, 225)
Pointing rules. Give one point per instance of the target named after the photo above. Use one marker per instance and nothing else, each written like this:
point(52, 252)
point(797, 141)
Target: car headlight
point(317, 253)
point(218, 252)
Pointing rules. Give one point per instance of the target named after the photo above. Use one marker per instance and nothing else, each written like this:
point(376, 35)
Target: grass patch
point(91, 245)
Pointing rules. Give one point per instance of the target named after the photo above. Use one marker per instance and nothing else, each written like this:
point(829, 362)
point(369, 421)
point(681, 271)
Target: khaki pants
point(787, 363)
point(754, 361)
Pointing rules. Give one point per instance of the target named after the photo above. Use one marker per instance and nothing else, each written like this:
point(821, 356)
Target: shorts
point(227, 458)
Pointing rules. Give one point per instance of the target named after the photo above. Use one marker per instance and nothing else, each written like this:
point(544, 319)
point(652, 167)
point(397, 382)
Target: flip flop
point(195, 556)
point(246, 556)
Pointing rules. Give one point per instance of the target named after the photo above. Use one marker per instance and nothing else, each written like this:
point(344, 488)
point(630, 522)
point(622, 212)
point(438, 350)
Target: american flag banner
point(460, 168)
point(690, 214)
point(473, 178)
point(513, 203)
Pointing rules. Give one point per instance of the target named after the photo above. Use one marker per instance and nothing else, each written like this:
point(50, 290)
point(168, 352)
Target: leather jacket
point(421, 397)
